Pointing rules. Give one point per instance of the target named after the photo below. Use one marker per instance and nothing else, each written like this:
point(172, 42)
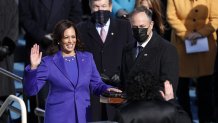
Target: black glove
point(114, 80)
point(10, 44)
point(105, 78)
point(122, 14)
point(7, 47)
point(3, 52)
point(45, 42)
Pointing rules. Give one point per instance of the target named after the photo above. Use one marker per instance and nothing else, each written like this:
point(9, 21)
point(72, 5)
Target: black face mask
point(101, 16)
point(140, 34)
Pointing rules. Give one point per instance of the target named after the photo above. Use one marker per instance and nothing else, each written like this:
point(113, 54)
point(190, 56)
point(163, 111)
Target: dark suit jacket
point(159, 57)
point(155, 111)
point(38, 17)
point(107, 55)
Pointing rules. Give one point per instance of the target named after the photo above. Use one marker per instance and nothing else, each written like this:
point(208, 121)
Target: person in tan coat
point(193, 19)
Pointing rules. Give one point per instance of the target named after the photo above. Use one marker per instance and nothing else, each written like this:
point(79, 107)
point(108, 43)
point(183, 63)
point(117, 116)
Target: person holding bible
point(71, 74)
point(194, 19)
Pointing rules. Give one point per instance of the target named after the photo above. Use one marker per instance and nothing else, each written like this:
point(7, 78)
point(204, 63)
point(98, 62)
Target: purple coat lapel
point(59, 62)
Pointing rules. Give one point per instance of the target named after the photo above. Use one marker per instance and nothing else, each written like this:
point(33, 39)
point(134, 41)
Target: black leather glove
point(45, 42)
point(7, 47)
point(7, 42)
point(105, 78)
point(114, 80)
point(122, 14)
point(3, 52)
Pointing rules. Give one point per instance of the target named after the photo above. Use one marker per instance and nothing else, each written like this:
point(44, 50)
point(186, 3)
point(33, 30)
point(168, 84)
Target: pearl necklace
point(69, 59)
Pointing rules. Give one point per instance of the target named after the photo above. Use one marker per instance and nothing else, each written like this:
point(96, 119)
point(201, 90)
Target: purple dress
point(68, 100)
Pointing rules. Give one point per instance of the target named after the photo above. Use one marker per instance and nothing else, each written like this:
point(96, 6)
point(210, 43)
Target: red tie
point(103, 34)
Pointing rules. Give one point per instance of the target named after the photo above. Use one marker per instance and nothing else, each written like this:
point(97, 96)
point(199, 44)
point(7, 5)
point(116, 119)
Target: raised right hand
point(168, 91)
point(35, 56)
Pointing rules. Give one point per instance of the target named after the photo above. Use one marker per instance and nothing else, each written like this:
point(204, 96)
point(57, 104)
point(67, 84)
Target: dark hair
point(90, 2)
point(148, 12)
point(157, 15)
point(143, 86)
point(58, 34)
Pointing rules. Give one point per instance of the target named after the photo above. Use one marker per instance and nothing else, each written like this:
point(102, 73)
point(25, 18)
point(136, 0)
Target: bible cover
point(112, 100)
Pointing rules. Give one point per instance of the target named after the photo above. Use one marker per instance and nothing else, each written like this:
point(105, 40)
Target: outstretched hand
point(168, 91)
point(35, 56)
point(114, 90)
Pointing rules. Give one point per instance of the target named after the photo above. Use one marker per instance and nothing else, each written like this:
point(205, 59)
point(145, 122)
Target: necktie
point(103, 34)
point(140, 48)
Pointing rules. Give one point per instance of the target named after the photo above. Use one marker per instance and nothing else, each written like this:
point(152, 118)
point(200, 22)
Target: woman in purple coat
point(71, 73)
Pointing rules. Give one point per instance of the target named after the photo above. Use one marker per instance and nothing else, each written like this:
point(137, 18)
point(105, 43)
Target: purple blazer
point(67, 101)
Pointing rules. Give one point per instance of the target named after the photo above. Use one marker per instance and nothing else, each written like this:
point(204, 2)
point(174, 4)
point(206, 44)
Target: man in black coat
point(149, 52)
point(106, 49)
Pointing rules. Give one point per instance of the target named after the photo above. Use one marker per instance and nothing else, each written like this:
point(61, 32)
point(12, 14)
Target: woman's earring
point(58, 43)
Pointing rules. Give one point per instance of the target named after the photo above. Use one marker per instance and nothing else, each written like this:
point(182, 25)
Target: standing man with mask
point(105, 37)
point(150, 52)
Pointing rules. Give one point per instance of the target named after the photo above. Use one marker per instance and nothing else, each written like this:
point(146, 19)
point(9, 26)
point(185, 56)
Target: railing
point(22, 106)
point(11, 75)
point(39, 112)
point(6, 104)
point(12, 108)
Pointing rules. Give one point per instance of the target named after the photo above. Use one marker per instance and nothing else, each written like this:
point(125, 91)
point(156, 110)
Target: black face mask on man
point(140, 34)
point(101, 16)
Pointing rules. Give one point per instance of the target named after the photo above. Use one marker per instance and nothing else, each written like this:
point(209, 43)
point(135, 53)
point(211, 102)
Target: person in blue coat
point(121, 8)
point(71, 74)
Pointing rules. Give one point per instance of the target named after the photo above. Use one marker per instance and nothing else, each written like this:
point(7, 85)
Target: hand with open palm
point(35, 56)
point(167, 94)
